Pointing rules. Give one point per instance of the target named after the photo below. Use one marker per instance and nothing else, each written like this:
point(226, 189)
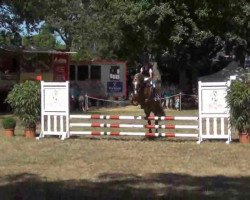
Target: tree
point(187, 32)
point(43, 39)
point(16, 16)
point(183, 35)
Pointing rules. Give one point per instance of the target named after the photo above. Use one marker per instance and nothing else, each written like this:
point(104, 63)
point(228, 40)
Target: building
point(18, 64)
point(100, 78)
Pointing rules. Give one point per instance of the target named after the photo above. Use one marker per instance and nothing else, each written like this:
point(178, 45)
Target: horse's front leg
point(146, 118)
point(149, 123)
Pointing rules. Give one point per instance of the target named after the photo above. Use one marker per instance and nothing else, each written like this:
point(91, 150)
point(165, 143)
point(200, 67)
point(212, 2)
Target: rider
point(147, 71)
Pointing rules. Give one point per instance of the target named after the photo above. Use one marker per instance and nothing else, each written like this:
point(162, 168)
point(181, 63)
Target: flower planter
point(9, 133)
point(30, 133)
point(244, 138)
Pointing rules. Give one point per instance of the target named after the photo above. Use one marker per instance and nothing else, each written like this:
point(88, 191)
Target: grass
point(122, 168)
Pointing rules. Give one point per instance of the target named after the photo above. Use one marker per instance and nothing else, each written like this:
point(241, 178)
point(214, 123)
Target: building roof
point(231, 69)
point(33, 49)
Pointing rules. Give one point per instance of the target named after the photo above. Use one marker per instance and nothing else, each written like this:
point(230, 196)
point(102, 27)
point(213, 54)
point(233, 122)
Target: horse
point(142, 95)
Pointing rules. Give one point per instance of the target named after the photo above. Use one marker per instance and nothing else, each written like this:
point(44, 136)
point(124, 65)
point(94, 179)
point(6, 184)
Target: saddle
point(153, 93)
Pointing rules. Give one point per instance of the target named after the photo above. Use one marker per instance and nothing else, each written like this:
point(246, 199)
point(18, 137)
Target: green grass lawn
point(122, 167)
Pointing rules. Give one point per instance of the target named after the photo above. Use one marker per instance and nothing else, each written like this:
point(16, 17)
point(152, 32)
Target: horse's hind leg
point(159, 111)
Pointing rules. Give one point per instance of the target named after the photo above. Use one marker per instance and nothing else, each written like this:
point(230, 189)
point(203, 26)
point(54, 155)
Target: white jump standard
point(212, 122)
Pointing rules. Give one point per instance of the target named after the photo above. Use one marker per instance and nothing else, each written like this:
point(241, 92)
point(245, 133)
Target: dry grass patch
point(123, 168)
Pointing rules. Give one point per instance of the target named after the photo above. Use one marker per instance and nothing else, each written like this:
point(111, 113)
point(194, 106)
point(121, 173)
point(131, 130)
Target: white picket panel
point(54, 109)
point(213, 111)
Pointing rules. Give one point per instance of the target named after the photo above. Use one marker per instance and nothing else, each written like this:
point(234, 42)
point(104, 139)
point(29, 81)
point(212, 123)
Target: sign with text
point(114, 86)
point(114, 73)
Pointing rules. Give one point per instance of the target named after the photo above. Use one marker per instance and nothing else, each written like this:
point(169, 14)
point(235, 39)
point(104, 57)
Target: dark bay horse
point(142, 95)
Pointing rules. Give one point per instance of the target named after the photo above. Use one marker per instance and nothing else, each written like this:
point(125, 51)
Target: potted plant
point(24, 100)
point(238, 99)
point(9, 124)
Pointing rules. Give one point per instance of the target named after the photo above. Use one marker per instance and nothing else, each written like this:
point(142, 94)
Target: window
point(72, 75)
point(95, 72)
point(83, 72)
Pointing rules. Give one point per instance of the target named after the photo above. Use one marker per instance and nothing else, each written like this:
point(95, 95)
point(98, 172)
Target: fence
point(212, 120)
point(177, 99)
point(109, 126)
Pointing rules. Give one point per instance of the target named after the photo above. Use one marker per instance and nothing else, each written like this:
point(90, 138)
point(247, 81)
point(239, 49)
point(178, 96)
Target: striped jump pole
point(105, 125)
point(146, 126)
point(117, 117)
point(104, 133)
point(173, 118)
point(111, 117)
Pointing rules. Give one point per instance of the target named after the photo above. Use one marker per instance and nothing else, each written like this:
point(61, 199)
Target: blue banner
point(114, 86)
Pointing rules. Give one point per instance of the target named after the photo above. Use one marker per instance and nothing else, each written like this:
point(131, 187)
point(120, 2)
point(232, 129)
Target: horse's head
point(138, 84)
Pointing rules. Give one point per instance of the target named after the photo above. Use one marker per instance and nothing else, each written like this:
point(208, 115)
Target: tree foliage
point(25, 100)
point(43, 39)
point(17, 15)
point(183, 34)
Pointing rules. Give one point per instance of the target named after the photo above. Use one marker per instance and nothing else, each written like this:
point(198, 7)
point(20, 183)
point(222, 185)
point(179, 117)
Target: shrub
point(238, 99)
point(24, 100)
point(9, 123)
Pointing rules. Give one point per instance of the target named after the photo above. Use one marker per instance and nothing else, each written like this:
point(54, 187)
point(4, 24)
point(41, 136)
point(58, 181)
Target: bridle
point(137, 85)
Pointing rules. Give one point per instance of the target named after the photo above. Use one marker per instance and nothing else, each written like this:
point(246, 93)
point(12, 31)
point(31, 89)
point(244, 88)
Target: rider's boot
point(153, 93)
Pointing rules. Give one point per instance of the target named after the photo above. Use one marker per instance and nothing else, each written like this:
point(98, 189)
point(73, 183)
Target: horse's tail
point(162, 112)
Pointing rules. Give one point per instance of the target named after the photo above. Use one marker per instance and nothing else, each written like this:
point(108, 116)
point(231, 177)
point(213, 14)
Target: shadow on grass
point(126, 186)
